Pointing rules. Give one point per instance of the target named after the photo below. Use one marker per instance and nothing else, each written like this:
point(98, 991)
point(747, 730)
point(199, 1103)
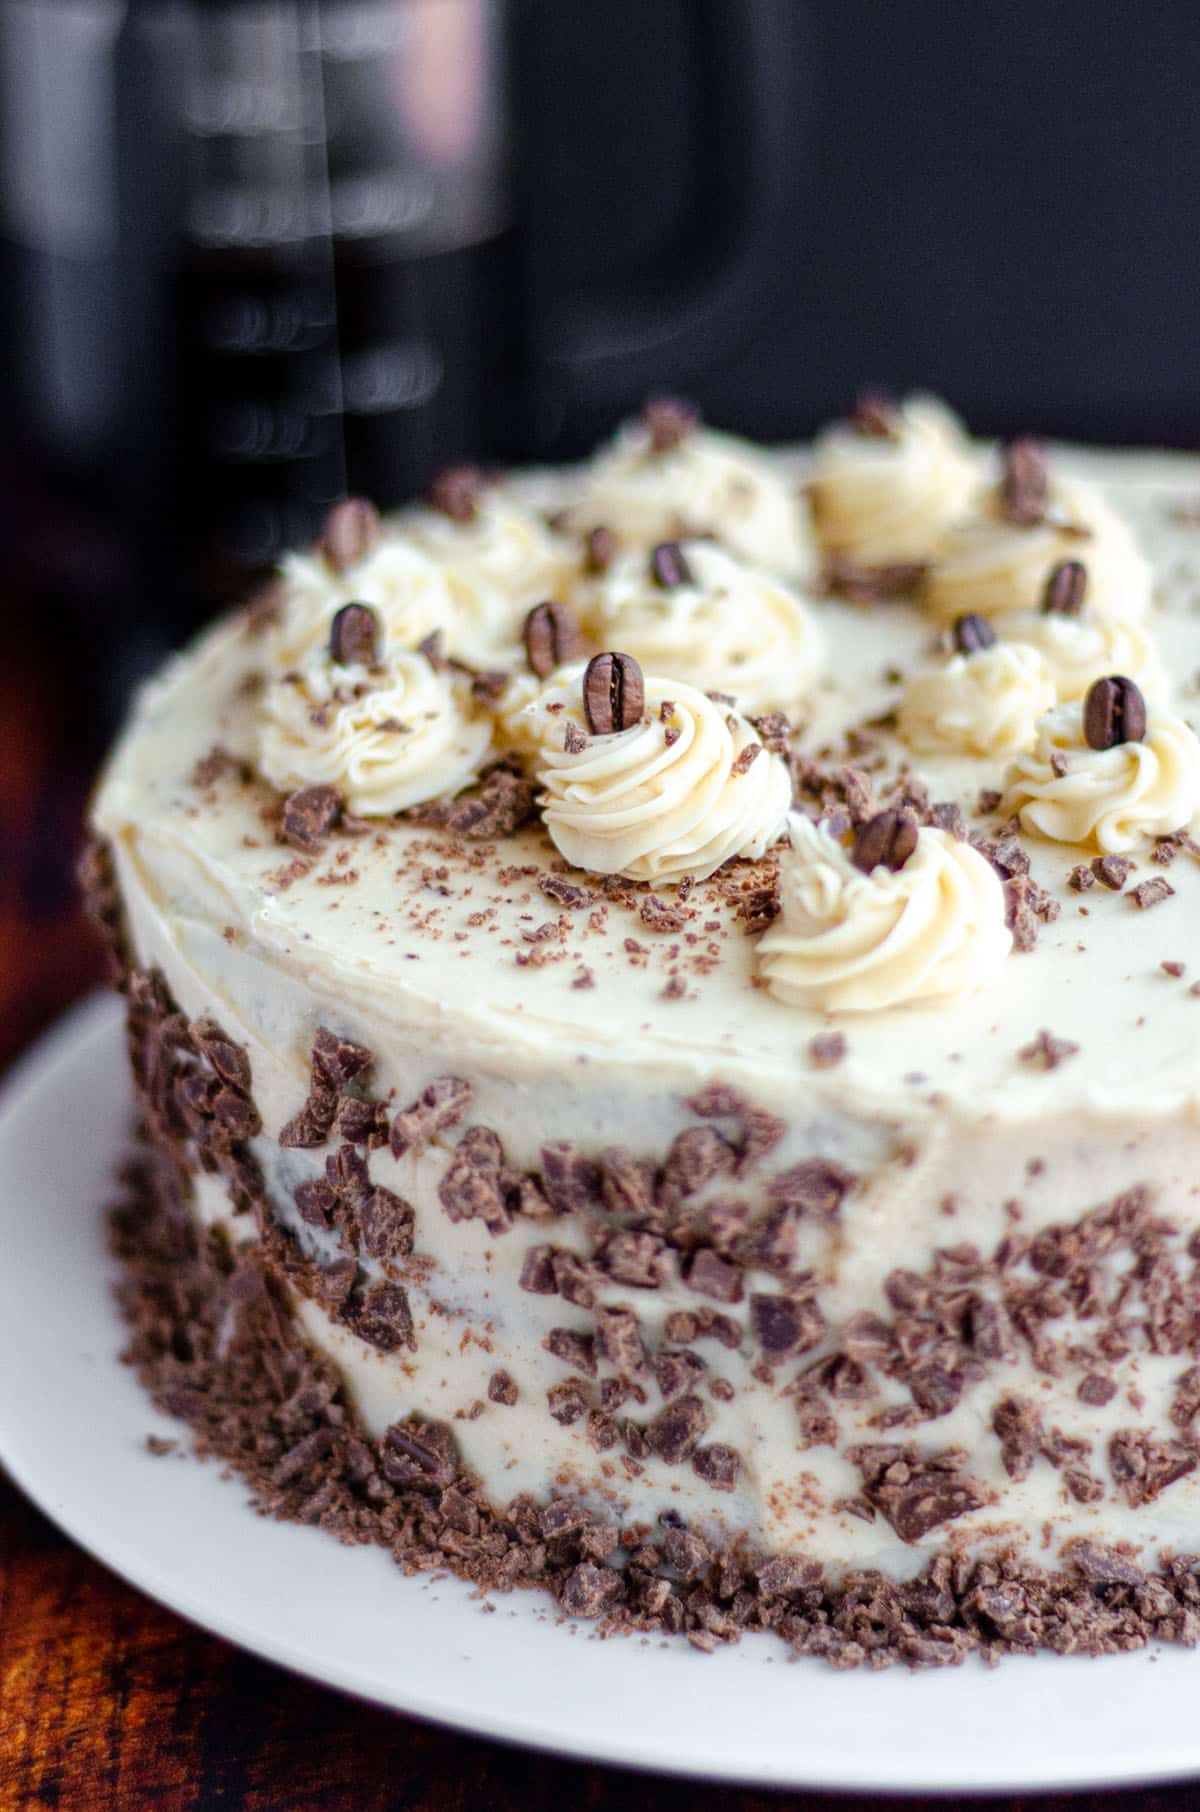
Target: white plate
point(73, 1425)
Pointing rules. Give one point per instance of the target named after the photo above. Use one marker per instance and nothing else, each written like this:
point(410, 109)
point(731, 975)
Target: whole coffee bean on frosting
point(972, 633)
point(1066, 588)
point(669, 567)
point(601, 549)
point(885, 841)
point(613, 693)
point(551, 637)
point(668, 420)
point(876, 414)
point(456, 492)
point(1114, 712)
point(1024, 488)
point(354, 636)
point(350, 533)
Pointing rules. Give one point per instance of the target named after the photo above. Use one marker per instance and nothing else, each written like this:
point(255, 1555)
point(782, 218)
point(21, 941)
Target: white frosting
point(406, 589)
point(984, 703)
point(1078, 650)
point(496, 567)
point(387, 736)
point(649, 803)
point(708, 483)
point(1113, 799)
point(988, 566)
point(734, 630)
point(848, 942)
point(882, 498)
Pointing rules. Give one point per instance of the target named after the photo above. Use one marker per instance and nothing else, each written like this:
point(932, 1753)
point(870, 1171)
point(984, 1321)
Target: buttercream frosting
point(386, 736)
point(1078, 650)
point(848, 942)
point(708, 483)
point(734, 628)
point(888, 497)
point(682, 791)
point(496, 565)
point(987, 565)
point(987, 702)
point(1111, 799)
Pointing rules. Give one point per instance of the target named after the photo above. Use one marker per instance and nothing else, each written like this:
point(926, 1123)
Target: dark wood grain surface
point(108, 1701)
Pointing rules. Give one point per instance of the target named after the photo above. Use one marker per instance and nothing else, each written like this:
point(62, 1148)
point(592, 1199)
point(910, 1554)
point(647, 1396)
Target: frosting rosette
point(728, 626)
point(496, 563)
point(987, 565)
point(987, 702)
point(1078, 650)
point(406, 589)
point(705, 483)
point(1110, 799)
point(887, 497)
point(848, 942)
point(683, 790)
point(386, 735)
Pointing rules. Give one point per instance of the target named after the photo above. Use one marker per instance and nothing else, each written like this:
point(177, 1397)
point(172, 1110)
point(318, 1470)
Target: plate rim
point(96, 1020)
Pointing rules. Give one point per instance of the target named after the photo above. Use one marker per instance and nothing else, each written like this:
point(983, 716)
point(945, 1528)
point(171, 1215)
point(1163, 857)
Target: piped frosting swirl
point(984, 703)
point(848, 942)
point(706, 483)
point(495, 564)
point(730, 626)
point(886, 497)
point(1111, 799)
point(1078, 650)
point(389, 735)
point(680, 792)
point(989, 565)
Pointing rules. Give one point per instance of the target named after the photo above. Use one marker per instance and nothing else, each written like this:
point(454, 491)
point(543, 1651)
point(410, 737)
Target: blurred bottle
point(256, 252)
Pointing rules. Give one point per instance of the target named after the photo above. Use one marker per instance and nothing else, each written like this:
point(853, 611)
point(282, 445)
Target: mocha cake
point(663, 998)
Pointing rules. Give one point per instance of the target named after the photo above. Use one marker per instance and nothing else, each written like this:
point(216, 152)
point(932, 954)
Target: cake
point(663, 1001)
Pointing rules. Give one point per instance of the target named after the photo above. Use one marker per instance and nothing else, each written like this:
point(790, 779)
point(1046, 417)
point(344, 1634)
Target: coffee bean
point(1026, 482)
point(1065, 590)
point(601, 548)
point(613, 693)
point(669, 567)
point(668, 420)
point(972, 633)
point(354, 636)
point(350, 533)
point(456, 492)
point(1114, 712)
point(551, 637)
point(887, 840)
point(877, 414)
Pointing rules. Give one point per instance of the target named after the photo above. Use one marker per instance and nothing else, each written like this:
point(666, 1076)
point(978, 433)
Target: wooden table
point(107, 1701)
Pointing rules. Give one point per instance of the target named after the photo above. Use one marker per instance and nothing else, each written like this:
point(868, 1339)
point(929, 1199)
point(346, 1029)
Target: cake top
point(871, 772)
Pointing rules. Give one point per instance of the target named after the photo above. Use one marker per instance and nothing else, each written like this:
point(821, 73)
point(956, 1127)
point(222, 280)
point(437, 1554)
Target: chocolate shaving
point(675, 1432)
point(440, 1106)
point(827, 1050)
point(917, 1492)
point(860, 584)
point(1046, 1051)
point(498, 806)
point(1112, 871)
point(1151, 893)
point(309, 816)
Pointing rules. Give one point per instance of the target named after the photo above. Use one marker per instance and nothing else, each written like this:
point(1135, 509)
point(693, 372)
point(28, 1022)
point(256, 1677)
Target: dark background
point(764, 204)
